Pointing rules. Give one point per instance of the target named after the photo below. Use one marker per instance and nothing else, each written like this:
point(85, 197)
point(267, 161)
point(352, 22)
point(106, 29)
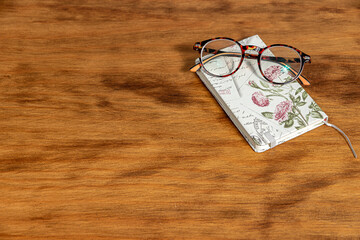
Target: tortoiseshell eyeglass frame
point(304, 58)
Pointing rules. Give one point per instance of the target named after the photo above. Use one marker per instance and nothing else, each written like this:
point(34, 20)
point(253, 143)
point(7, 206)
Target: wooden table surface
point(105, 134)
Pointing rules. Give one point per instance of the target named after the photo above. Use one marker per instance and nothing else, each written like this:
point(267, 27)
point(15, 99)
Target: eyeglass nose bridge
point(253, 48)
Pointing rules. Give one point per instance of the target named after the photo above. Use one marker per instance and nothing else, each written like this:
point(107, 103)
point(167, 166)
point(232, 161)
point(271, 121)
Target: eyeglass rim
point(199, 46)
point(204, 43)
point(281, 45)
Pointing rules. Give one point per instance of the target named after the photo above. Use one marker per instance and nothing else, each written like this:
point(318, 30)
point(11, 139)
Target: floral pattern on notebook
point(287, 112)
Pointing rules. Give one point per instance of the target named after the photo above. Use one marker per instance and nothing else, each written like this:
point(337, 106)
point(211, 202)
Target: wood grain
point(106, 134)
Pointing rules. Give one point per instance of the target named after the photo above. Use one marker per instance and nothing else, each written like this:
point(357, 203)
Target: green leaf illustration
point(301, 104)
point(272, 95)
point(268, 114)
point(301, 123)
point(288, 79)
point(298, 90)
point(311, 105)
point(289, 123)
point(291, 115)
point(264, 84)
point(316, 107)
point(316, 114)
point(304, 95)
point(299, 127)
point(292, 97)
point(297, 99)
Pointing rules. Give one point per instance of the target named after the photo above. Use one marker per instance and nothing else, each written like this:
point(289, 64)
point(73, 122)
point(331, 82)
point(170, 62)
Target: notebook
point(265, 114)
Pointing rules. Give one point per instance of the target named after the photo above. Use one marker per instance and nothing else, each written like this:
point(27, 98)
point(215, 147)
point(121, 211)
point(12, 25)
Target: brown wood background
point(105, 134)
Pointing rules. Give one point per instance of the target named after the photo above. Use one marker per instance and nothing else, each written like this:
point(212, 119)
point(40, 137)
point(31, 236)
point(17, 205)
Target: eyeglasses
point(278, 63)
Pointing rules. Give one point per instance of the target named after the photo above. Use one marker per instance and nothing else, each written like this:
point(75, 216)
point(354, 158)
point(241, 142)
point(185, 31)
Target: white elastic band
point(344, 135)
point(271, 139)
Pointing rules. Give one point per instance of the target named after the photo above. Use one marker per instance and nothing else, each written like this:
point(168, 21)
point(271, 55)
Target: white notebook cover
point(265, 114)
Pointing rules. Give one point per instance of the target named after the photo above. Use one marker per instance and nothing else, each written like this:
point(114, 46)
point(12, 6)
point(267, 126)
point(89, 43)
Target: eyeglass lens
point(280, 64)
point(221, 57)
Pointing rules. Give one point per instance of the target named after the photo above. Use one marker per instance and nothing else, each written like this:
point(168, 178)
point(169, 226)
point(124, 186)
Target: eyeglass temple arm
point(280, 60)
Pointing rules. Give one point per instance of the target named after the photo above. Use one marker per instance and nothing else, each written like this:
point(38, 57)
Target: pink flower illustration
point(259, 99)
point(272, 72)
point(281, 111)
point(253, 84)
